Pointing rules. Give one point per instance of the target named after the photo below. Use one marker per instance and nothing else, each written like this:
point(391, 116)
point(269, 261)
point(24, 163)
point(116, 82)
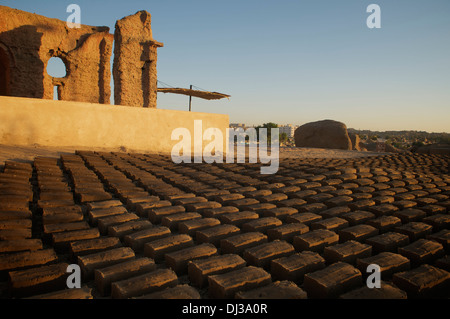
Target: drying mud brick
point(190, 227)
point(228, 197)
point(137, 240)
point(385, 223)
point(242, 203)
point(156, 249)
point(319, 198)
point(38, 280)
point(334, 212)
point(261, 255)
point(338, 201)
point(280, 212)
point(272, 198)
point(8, 246)
point(383, 209)
point(238, 218)
point(361, 204)
point(261, 224)
point(91, 246)
point(347, 252)
point(105, 222)
point(422, 251)
point(260, 208)
point(62, 240)
point(178, 260)
point(53, 203)
point(357, 217)
point(358, 233)
point(215, 234)
point(415, 230)
point(102, 205)
point(304, 218)
point(312, 208)
point(287, 232)
point(238, 243)
point(66, 294)
point(94, 196)
point(128, 228)
point(143, 208)
point(104, 277)
point(443, 263)
point(410, 215)
point(15, 224)
point(96, 214)
point(173, 220)
point(216, 212)
point(179, 292)
point(438, 221)
point(386, 291)
point(14, 234)
point(65, 227)
point(389, 242)
point(247, 278)
point(199, 270)
point(144, 284)
point(20, 260)
point(277, 290)
point(442, 237)
point(315, 240)
point(257, 193)
point(425, 281)
point(8, 215)
point(89, 263)
point(389, 264)
point(199, 207)
point(332, 281)
point(333, 224)
point(295, 266)
point(132, 202)
point(155, 215)
point(295, 203)
point(189, 200)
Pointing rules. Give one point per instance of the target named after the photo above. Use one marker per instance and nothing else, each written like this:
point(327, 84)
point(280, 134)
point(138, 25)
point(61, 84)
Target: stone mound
point(323, 134)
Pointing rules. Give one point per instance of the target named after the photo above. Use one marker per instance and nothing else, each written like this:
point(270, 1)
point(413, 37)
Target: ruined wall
point(135, 58)
point(28, 41)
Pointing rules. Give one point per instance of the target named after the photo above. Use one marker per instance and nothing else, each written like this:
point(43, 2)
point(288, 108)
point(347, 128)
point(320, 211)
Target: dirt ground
point(28, 153)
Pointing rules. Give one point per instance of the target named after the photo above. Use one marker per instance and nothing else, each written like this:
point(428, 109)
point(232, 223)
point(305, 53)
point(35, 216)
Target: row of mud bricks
point(140, 226)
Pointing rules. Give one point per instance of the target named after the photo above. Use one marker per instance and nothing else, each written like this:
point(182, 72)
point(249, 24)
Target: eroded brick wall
point(28, 41)
point(135, 58)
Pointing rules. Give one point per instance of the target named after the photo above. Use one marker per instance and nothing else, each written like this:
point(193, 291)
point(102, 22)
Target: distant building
point(237, 125)
point(288, 129)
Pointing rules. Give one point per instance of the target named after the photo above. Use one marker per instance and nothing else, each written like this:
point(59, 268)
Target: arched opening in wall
point(5, 73)
point(56, 68)
point(55, 93)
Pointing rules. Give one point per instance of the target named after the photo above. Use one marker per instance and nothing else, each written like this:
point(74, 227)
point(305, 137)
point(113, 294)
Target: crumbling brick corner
point(135, 58)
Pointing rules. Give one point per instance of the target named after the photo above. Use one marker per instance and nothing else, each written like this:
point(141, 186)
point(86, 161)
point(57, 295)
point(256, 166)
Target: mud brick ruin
point(28, 41)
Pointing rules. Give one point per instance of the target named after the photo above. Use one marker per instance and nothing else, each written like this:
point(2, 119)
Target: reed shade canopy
point(197, 92)
point(191, 92)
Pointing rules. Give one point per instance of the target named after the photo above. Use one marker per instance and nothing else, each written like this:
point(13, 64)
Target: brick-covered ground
point(140, 226)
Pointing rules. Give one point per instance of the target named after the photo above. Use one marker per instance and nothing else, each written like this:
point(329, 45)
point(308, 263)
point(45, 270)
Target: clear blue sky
point(296, 61)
